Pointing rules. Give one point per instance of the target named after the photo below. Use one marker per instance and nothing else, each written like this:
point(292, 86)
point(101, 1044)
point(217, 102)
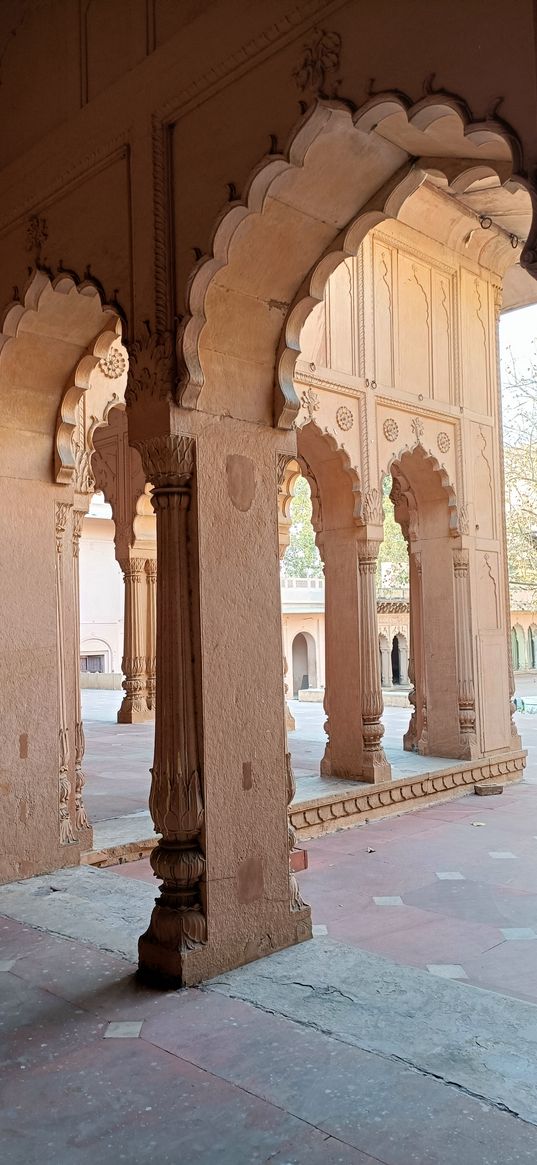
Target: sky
point(518, 332)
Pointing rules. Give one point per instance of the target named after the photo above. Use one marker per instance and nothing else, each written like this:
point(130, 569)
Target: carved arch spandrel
point(97, 386)
point(341, 175)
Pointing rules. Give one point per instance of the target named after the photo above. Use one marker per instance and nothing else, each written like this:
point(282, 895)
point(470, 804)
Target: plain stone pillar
point(375, 767)
point(342, 703)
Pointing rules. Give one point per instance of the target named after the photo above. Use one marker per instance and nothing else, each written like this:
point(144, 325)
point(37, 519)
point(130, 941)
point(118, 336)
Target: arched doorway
point(395, 662)
point(532, 647)
point(304, 662)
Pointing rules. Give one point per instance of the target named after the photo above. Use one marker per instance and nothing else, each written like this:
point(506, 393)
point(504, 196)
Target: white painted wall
point(101, 593)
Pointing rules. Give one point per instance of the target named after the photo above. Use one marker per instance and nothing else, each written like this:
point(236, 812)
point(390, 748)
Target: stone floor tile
point(392, 900)
point(450, 876)
point(502, 854)
point(318, 929)
point(7, 964)
point(123, 1029)
point(513, 933)
point(447, 970)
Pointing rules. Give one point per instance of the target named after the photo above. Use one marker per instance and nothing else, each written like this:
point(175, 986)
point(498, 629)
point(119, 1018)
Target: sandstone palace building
point(242, 242)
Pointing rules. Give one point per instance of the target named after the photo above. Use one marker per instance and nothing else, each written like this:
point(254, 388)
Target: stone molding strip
point(343, 810)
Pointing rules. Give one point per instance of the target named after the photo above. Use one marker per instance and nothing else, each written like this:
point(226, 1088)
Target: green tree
point(302, 559)
point(519, 394)
point(392, 570)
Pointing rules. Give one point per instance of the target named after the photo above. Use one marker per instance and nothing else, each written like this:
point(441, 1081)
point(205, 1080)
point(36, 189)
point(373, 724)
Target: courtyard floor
point(405, 1033)
point(118, 758)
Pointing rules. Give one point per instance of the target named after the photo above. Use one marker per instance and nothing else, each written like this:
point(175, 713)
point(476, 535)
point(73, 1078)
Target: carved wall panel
point(476, 338)
point(484, 481)
point(489, 607)
point(341, 318)
point(414, 325)
point(384, 320)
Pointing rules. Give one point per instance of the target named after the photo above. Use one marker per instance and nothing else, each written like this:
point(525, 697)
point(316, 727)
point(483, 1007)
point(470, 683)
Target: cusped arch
point(51, 341)
point(305, 211)
point(426, 480)
point(337, 482)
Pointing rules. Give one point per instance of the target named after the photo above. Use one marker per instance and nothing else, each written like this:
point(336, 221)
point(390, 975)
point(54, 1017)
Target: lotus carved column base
point(178, 925)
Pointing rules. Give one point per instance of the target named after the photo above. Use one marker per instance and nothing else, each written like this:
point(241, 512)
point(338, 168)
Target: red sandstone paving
point(441, 921)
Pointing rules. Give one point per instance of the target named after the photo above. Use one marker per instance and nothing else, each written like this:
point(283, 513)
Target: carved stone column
point(151, 632)
point(465, 667)
point(343, 755)
point(134, 708)
point(178, 922)
point(67, 835)
point(81, 819)
point(375, 767)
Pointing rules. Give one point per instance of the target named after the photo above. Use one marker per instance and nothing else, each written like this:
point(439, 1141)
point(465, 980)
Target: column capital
point(168, 461)
point(132, 568)
point(368, 552)
point(461, 562)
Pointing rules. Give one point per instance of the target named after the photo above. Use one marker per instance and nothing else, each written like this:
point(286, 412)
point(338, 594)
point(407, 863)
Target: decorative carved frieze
point(151, 368)
point(390, 429)
point(372, 511)
point(317, 73)
point(329, 813)
point(344, 418)
point(167, 460)
point(309, 401)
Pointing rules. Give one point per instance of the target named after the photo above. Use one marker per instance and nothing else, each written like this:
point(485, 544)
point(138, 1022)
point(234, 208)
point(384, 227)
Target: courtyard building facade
point(230, 258)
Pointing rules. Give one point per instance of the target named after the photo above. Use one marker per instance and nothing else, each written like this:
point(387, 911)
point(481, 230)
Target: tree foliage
point(520, 455)
point(302, 559)
point(392, 570)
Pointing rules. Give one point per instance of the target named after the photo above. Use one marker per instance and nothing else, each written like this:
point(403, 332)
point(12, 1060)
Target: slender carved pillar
point(151, 632)
point(81, 819)
point(343, 754)
point(178, 922)
point(284, 526)
point(375, 767)
point(64, 784)
point(134, 708)
point(465, 667)
point(420, 669)
point(415, 674)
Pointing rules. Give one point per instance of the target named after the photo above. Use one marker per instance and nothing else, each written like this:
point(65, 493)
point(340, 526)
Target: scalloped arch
point(301, 215)
point(337, 480)
point(51, 341)
point(429, 461)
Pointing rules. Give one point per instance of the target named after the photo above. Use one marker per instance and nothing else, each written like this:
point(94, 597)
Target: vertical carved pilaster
point(295, 900)
point(64, 784)
point(134, 706)
point(411, 736)
point(375, 765)
point(284, 528)
point(515, 738)
point(178, 923)
point(419, 658)
point(465, 668)
point(81, 818)
point(151, 633)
